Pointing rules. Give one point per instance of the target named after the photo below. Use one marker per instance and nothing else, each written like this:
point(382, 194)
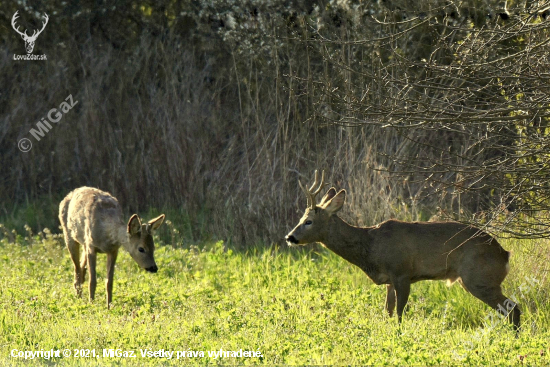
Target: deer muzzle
point(291, 240)
point(152, 269)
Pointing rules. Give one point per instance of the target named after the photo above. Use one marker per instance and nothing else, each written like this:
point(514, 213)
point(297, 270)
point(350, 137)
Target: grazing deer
point(398, 253)
point(92, 218)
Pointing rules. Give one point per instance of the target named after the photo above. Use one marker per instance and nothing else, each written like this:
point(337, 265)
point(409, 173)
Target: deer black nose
point(152, 269)
point(292, 239)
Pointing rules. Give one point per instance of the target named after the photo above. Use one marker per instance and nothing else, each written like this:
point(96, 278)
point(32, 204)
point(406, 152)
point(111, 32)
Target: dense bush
point(213, 110)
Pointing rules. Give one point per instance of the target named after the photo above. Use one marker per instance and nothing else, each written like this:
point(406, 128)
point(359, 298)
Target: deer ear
point(155, 223)
point(329, 195)
point(335, 204)
point(134, 225)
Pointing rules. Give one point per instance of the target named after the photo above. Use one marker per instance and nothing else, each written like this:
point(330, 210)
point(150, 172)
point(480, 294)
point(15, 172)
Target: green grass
point(295, 307)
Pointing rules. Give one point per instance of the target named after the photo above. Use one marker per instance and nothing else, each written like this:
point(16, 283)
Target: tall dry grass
point(211, 114)
point(158, 131)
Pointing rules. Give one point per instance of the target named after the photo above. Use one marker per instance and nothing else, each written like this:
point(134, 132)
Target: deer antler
point(24, 34)
point(314, 190)
point(15, 16)
point(36, 33)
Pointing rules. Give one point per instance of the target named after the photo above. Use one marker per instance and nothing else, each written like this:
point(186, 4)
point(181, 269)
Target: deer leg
point(390, 299)
point(111, 260)
point(74, 250)
point(83, 263)
point(484, 283)
point(492, 295)
point(402, 290)
point(91, 259)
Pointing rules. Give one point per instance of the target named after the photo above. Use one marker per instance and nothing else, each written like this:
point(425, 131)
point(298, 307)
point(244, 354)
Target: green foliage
point(37, 214)
point(304, 306)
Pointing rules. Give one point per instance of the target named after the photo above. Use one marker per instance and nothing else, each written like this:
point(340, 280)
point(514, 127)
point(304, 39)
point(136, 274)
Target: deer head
point(314, 223)
point(141, 246)
point(29, 40)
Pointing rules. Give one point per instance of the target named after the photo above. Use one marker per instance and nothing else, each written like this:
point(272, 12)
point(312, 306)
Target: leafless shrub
point(469, 103)
point(408, 107)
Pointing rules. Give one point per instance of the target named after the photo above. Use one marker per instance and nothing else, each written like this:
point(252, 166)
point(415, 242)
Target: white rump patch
point(451, 281)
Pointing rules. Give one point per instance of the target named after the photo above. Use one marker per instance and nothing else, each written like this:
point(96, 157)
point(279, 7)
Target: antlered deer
point(398, 253)
point(92, 218)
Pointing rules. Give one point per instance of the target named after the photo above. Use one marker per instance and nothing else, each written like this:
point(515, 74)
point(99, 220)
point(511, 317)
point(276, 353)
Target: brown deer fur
point(92, 218)
point(399, 253)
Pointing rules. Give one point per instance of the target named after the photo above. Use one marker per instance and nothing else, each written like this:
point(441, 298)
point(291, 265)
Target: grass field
point(304, 306)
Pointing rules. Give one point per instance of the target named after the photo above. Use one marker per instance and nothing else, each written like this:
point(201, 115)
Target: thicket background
point(211, 111)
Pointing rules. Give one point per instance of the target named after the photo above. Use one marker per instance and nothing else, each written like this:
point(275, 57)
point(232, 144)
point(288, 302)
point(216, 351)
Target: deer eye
point(308, 222)
point(141, 249)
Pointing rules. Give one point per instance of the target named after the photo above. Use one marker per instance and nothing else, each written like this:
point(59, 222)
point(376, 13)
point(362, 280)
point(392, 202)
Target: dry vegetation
point(215, 110)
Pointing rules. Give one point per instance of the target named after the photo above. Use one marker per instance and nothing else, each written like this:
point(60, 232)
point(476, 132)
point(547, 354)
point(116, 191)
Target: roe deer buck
point(399, 253)
point(93, 219)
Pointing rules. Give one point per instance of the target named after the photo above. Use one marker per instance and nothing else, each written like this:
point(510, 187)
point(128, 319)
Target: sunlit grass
point(295, 307)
